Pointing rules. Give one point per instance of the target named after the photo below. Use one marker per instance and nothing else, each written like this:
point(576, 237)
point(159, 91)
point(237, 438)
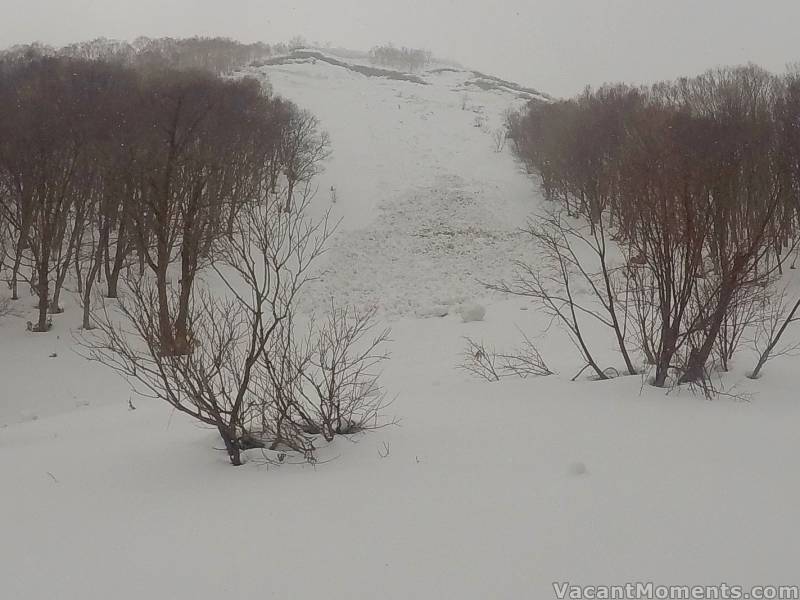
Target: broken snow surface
point(483, 490)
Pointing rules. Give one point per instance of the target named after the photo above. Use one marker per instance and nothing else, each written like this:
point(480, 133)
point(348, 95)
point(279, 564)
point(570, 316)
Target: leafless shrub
point(342, 393)
point(525, 361)
point(486, 363)
point(562, 248)
point(481, 361)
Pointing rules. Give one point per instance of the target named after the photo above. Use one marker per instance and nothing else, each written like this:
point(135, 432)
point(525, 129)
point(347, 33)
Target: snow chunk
point(433, 311)
point(577, 469)
point(472, 312)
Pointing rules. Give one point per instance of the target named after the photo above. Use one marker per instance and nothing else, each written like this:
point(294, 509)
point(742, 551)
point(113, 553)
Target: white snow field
point(483, 490)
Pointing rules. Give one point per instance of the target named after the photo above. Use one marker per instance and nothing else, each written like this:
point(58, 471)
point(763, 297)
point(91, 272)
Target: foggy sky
point(558, 46)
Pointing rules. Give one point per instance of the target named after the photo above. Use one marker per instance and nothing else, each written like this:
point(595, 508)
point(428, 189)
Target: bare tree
point(780, 315)
point(562, 251)
point(263, 269)
point(43, 157)
point(206, 154)
point(303, 147)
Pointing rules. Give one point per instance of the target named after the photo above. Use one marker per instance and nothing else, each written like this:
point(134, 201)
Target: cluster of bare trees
point(100, 163)
point(143, 180)
point(251, 370)
point(215, 55)
point(677, 207)
point(408, 59)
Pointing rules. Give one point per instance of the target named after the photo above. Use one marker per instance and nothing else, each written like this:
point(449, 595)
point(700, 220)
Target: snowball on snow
point(472, 312)
point(577, 468)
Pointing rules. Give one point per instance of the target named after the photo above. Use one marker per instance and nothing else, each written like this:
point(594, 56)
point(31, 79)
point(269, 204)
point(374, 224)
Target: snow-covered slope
point(428, 205)
point(482, 490)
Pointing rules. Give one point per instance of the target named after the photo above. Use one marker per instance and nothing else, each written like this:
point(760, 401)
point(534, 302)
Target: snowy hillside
point(428, 205)
point(482, 490)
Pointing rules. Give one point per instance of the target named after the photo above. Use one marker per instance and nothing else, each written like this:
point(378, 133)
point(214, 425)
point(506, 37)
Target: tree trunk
point(78, 276)
point(94, 269)
point(665, 354)
point(61, 276)
point(54, 307)
point(112, 283)
point(289, 194)
point(164, 322)
point(181, 344)
point(113, 271)
point(43, 289)
point(15, 272)
point(231, 445)
point(189, 253)
point(613, 312)
point(696, 365)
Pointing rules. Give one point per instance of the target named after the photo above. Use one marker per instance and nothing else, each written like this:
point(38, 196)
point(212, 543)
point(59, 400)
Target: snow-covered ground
point(483, 490)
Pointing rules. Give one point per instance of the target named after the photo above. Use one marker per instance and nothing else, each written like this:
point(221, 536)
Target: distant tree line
point(215, 55)
point(677, 206)
point(408, 59)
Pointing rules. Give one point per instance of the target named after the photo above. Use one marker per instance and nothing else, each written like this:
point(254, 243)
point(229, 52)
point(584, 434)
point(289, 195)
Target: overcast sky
point(556, 45)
